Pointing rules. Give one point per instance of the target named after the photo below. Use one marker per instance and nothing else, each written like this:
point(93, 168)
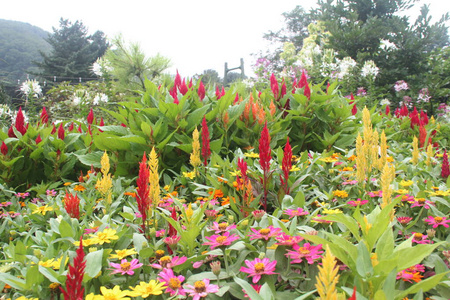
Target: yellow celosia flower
point(251, 155)
point(327, 277)
point(153, 178)
point(120, 254)
point(113, 294)
point(105, 236)
point(195, 155)
point(42, 210)
point(190, 175)
point(189, 213)
point(104, 184)
point(146, 289)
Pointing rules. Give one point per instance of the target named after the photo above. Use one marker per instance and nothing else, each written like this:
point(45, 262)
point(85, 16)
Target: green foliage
point(73, 51)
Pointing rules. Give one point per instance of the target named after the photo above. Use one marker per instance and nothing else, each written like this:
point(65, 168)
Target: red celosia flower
point(354, 109)
point(38, 139)
point(445, 171)
point(183, 87)
point(174, 94)
point(72, 205)
point(303, 80)
point(71, 126)
point(201, 91)
point(307, 92)
point(422, 136)
point(220, 93)
point(274, 86)
point(74, 282)
point(242, 165)
point(423, 118)
point(294, 86)
point(286, 166)
point(61, 131)
point(102, 123)
point(206, 151)
point(236, 99)
point(177, 81)
point(90, 117)
point(19, 124)
point(143, 190)
point(44, 116)
point(283, 89)
point(353, 297)
point(264, 160)
point(190, 83)
point(4, 148)
point(388, 110)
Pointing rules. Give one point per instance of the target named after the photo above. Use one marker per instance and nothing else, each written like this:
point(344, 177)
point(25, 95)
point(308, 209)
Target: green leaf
point(14, 282)
point(94, 263)
point(33, 276)
point(195, 118)
point(65, 229)
point(50, 274)
point(252, 294)
point(411, 256)
point(389, 285)
point(363, 262)
point(348, 221)
point(91, 159)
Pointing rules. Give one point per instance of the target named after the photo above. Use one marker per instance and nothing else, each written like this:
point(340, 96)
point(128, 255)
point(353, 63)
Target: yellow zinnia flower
point(42, 210)
point(190, 175)
point(105, 236)
point(112, 294)
point(146, 289)
point(120, 254)
point(340, 194)
point(406, 183)
point(331, 211)
point(401, 191)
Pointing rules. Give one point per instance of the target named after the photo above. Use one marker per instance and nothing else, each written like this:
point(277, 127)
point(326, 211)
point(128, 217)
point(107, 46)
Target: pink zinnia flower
point(167, 262)
point(357, 202)
point(126, 267)
point(350, 182)
point(308, 252)
point(22, 195)
point(409, 276)
point(296, 212)
point(222, 227)
point(259, 267)
point(201, 289)
point(160, 233)
point(436, 221)
point(265, 233)
point(287, 240)
point(172, 282)
point(420, 238)
point(419, 202)
point(217, 240)
point(416, 268)
point(375, 194)
point(256, 287)
point(404, 220)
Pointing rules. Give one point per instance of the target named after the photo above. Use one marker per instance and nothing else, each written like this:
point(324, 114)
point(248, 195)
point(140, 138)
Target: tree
point(73, 51)
point(130, 66)
point(372, 30)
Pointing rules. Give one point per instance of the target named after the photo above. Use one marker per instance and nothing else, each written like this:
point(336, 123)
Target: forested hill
point(19, 45)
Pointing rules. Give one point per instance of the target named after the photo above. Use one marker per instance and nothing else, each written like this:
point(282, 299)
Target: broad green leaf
point(252, 294)
point(363, 262)
point(33, 276)
point(91, 159)
point(14, 282)
point(411, 256)
point(94, 263)
point(65, 229)
point(50, 274)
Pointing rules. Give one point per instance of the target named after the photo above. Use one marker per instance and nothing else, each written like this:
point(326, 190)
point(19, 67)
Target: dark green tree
point(73, 51)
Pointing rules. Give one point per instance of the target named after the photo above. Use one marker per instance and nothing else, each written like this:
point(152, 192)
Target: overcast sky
point(196, 34)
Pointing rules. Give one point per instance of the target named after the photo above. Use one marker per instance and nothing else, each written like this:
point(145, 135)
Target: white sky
point(195, 34)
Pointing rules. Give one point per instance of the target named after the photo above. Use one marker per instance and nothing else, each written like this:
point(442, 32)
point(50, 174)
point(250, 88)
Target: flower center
point(264, 231)
point(418, 236)
point(303, 250)
point(165, 260)
point(223, 226)
point(159, 253)
point(438, 219)
point(421, 200)
point(221, 239)
point(259, 267)
point(125, 266)
point(199, 286)
point(174, 283)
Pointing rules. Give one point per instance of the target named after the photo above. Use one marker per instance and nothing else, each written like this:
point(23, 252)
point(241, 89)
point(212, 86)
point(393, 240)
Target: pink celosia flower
point(287, 240)
point(259, 267)
point(265, 233)
point(436, 221)
point(217, 240)
point(126, 267)
point(420, 238)
point(307, 251)
point(169, 262)
point(172, 282)
point(222, 227)
point(201, 289)
point(357, 202)
point(295, 212)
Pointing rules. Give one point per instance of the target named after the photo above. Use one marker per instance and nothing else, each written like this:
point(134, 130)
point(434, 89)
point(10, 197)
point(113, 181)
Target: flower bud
point(215, 267)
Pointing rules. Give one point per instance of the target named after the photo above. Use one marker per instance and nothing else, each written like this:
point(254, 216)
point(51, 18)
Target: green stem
point(225, 260)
